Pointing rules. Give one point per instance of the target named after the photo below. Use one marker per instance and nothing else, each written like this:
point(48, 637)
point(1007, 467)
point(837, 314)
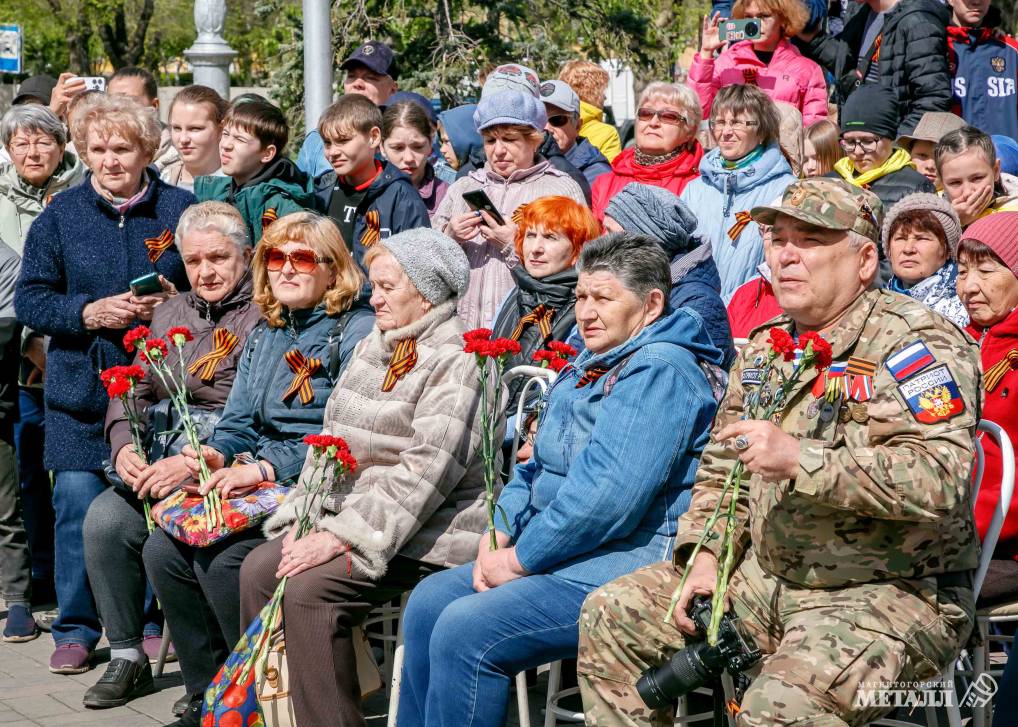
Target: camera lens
point(752, 29)
point(689, 669)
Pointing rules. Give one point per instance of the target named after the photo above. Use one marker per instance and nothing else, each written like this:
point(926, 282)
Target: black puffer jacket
point(897, 184)
point(912, 61)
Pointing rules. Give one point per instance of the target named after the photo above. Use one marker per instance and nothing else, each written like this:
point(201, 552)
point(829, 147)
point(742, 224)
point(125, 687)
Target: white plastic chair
point(979, 653)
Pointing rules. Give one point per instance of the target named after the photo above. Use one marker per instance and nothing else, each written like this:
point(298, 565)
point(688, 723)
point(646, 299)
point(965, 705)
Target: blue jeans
point(78, 622)
point(36, 493)
point(475, 643)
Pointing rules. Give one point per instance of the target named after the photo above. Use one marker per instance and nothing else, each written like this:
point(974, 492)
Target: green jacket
point(279, 189)
point(21, 203)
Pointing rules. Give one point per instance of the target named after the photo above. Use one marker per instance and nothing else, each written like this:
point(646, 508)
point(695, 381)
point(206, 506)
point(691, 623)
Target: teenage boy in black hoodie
point(261, 182)
point(368, 199)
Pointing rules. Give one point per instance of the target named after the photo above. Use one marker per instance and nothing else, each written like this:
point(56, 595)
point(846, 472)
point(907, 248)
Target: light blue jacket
point(718, 194)
point(612, 472)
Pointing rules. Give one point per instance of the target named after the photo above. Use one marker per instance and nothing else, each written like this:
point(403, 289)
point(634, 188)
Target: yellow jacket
point(604, 136)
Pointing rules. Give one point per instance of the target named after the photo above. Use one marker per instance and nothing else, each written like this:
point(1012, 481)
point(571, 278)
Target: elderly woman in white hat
point(408, 407)
point(920, 238)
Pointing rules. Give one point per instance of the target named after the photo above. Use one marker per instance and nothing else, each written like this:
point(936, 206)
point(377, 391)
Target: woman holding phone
point(768, 61)
point(81, 255)
point(511, 125)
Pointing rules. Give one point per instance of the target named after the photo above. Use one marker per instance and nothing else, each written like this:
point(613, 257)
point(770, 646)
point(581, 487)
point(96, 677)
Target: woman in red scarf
point(988, 286)
point(666, 154)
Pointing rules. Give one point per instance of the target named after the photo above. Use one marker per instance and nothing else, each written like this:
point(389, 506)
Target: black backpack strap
point(336, 338)
point(613, 374)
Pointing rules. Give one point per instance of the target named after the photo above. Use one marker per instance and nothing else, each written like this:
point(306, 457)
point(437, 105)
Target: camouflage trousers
point(820, 646)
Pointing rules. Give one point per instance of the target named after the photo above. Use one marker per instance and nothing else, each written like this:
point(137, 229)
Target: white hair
point(216, 216)
point(675, 94)
point(31, 117)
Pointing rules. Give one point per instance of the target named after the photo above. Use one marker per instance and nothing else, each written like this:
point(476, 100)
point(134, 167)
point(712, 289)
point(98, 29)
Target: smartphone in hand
point(478, 201)
point(146, 285)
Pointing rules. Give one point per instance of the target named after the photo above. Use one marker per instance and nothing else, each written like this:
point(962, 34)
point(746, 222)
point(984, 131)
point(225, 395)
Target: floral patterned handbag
point(182, 514)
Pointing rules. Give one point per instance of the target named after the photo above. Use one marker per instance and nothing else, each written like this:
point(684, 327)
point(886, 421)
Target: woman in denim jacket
point(614, 461)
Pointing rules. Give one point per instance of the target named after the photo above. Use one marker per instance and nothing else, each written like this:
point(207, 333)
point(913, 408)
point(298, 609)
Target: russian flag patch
point(933, 396)
point(910, 360)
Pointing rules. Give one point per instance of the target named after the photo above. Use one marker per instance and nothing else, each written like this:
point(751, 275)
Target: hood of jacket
point(589, 112)
point(484, 173)
point(28, 198)
point(462, 132)
point(684, 165)
point(768, 167)
point(280, 174)
point(680, 328)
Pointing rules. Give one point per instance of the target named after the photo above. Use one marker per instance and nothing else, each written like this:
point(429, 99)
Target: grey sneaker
point(44, 619)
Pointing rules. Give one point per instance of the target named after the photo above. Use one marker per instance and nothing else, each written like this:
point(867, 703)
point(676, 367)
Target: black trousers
point(199, 589)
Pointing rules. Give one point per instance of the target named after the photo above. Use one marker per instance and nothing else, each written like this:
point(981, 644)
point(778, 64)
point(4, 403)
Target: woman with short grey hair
point(219, 312)
point(616, 451)
point(40, 167)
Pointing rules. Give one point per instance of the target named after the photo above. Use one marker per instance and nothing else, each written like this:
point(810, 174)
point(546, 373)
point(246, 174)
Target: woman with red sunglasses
point(307, 285)
point(666, 154)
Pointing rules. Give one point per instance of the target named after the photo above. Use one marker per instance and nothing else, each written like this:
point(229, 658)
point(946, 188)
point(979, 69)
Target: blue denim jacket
point(611, 473)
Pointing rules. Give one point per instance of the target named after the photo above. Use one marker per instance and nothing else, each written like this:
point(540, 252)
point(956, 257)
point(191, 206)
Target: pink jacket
point(790, 77)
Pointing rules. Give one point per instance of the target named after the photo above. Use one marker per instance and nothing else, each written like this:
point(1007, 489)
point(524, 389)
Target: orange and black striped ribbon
point(223, 343)
point(541, 315)
point(741, 220)
point(517, 217)
point(268, 217)
point(158, 245)
point(403, 359)
point(372, 228)
point(591, 375)
point(993, 375)
point(303, 369)
point(749, 76)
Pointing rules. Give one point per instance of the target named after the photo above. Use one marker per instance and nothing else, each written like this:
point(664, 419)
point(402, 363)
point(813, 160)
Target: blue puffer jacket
point(718, 194)
point(80, 249)
point(696, 284)
point(588, 159)
point(392, 195)
point(615, 460)
point(256, 418)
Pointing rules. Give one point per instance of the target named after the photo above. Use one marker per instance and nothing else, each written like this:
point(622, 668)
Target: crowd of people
point(822, 221)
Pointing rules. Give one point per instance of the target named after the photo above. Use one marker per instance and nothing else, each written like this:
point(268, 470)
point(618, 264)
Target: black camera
point(699, 663)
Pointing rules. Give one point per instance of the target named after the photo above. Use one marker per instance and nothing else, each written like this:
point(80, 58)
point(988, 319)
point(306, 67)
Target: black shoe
point(192, 715)
point(124, 680)
point(180, 706)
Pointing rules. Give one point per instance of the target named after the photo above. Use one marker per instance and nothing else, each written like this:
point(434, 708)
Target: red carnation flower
point(475, 341)
point(346, 459)
point(823, 355)
point(119, 380)
point(562, 348)
point(155, 350)
point(179, 335)
point(782, 343)
point(134, 336)
point(503, 347)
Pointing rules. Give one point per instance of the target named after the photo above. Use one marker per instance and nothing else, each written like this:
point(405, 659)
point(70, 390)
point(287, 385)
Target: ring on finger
point(742, 442)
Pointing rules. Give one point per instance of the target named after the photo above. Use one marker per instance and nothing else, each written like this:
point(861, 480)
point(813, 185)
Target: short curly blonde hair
point(791, 14)
point(120, 115)
point(321, 235)
point(589, 80)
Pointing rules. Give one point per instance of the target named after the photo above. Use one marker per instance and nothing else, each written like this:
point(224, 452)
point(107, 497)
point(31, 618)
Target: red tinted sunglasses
point(303, 261)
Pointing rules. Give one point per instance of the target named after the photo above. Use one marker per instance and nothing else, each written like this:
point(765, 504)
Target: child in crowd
point(261, 182)
point(821, 148)
point(458, 139)
point(368, 199)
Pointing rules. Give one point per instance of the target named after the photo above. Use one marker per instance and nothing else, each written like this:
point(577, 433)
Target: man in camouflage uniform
point(856, 542)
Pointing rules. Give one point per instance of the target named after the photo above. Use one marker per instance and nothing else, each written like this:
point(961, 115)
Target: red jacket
point(673, 175)
point(1000, 407)
point(752, 304)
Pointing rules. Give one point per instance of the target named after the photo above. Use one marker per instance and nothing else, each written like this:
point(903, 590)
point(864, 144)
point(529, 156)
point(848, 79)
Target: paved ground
point(32, 697)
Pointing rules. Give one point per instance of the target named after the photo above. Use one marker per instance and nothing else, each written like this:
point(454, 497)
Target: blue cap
point(510, 107)
point(1007, 153)
point(374, 55)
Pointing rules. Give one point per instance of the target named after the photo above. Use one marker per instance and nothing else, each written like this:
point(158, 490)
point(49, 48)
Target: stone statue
point(209, 19)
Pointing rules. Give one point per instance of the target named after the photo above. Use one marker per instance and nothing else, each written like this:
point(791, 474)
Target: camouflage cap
point(830, 203)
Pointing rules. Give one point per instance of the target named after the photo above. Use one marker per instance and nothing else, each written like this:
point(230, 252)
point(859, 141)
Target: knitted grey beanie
point(656, 212)
point(937, 206)
point(435, 263)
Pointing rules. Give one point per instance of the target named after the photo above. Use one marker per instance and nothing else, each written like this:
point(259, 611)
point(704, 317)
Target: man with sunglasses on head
point(563, 107)
point(869, 124)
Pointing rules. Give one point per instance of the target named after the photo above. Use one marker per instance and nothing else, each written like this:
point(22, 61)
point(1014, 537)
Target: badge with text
point(910, 360)
point(933, 396)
